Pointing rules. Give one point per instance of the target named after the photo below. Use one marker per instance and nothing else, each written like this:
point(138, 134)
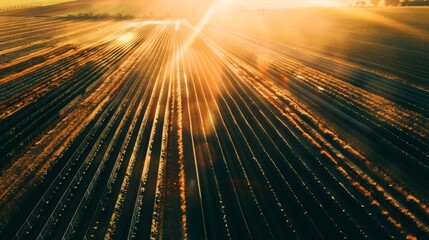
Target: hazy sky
point(9, 3)
point(247, 3)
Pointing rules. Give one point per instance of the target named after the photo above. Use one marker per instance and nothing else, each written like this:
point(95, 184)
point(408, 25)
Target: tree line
point(395, 3)
point(100, 16)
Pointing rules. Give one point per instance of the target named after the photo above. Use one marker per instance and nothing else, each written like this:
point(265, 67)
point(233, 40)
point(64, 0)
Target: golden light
point(225, 4)
point(177, 26)
point(124, 38)
point(369, 16)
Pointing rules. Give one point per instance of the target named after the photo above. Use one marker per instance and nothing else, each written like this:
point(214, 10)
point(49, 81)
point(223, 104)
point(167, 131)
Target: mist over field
point(391, 39)
point(160, 7)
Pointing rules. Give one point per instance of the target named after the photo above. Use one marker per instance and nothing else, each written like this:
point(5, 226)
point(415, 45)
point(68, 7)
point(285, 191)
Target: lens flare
point(124, 38)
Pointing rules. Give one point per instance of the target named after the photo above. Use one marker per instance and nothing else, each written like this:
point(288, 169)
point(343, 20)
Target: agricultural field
point(139, 128)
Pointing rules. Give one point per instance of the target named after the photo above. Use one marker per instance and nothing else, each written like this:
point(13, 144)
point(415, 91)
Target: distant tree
point(375, 2)
point(392, 2)
point(362, 3)
point(357, 3)
point(415, 3)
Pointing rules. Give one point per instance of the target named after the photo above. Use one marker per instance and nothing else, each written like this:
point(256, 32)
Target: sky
point(19, 3)
point(247, 3)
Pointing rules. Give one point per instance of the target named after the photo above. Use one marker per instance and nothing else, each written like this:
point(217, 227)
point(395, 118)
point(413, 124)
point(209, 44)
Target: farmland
point(161, 129)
